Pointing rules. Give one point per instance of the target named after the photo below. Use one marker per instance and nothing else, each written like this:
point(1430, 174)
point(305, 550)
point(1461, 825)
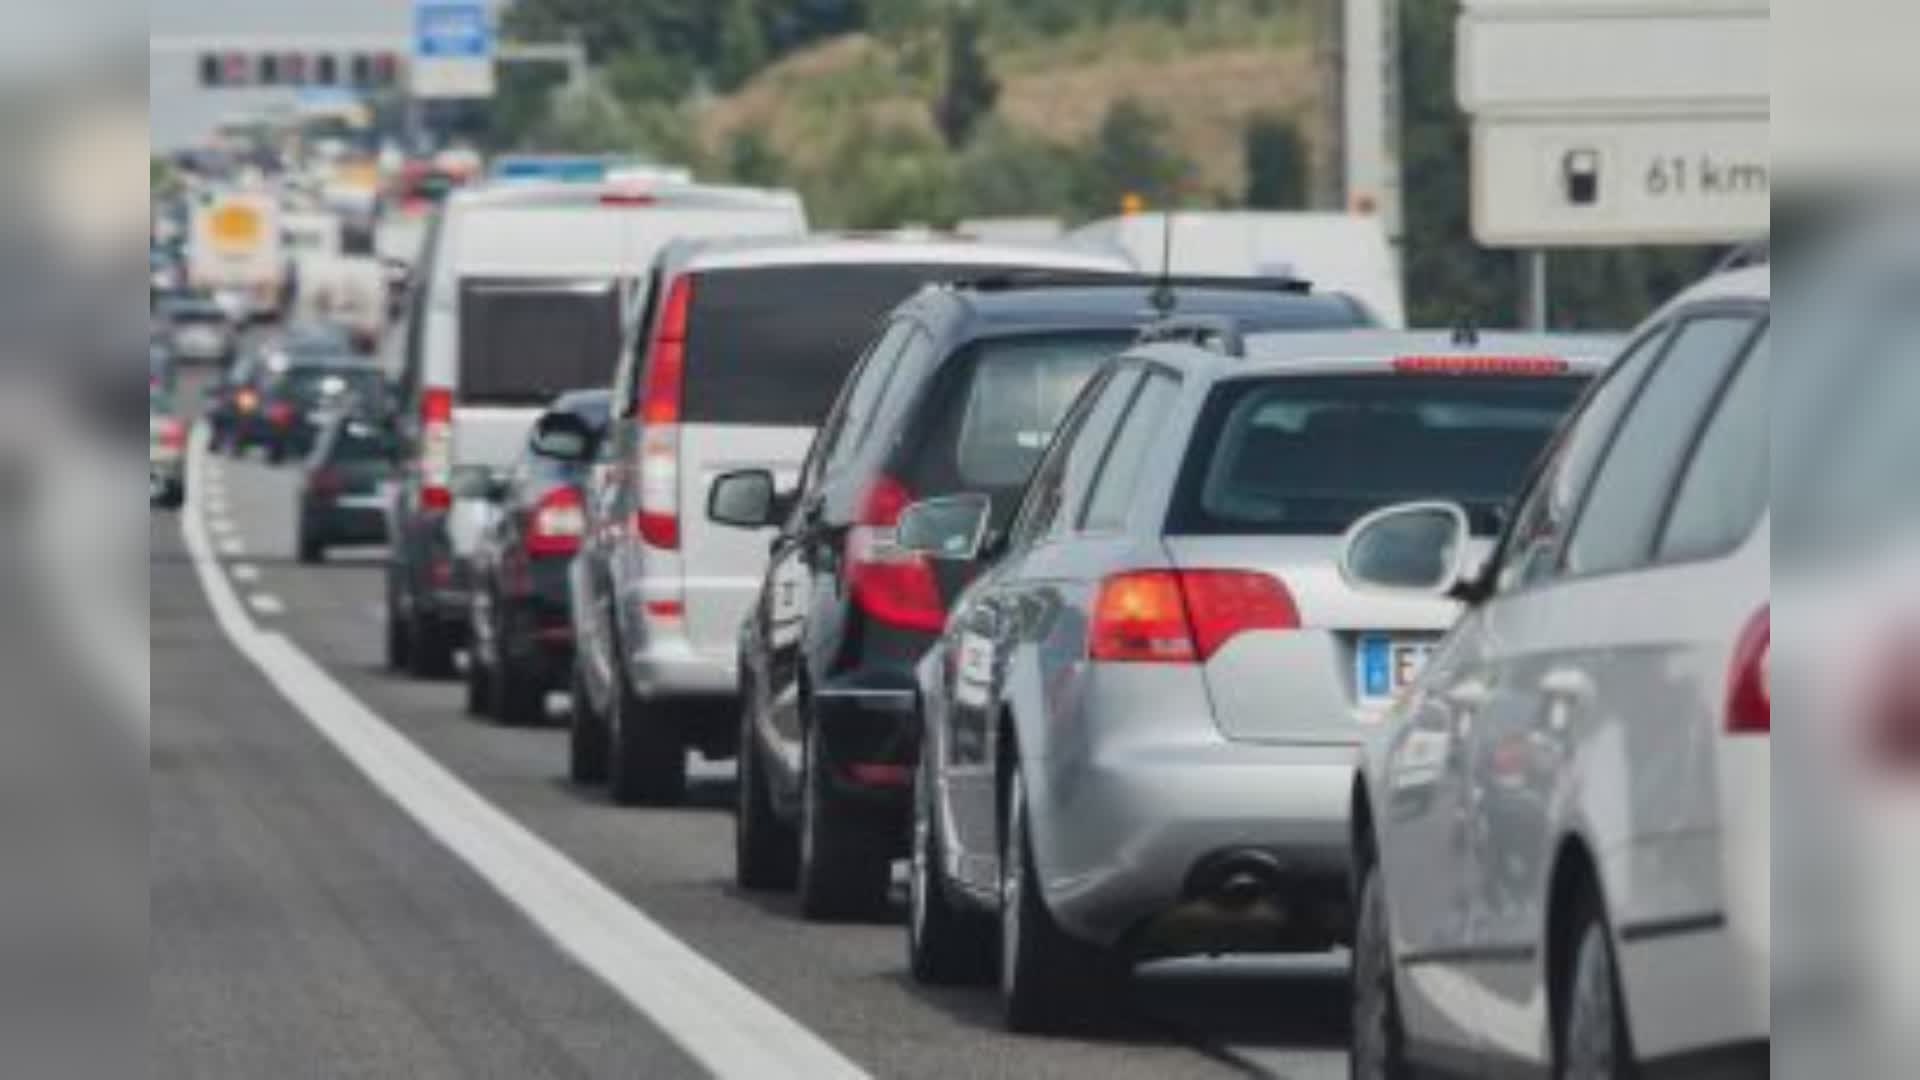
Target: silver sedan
point(1140, 724)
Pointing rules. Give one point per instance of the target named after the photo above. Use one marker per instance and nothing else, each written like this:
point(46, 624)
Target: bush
point(1276, 164)
point(1132, 155)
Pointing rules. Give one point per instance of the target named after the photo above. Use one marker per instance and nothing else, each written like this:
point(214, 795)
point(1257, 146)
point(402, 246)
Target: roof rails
point(1753, 253)
point(1220, 333)
point(1014, 279)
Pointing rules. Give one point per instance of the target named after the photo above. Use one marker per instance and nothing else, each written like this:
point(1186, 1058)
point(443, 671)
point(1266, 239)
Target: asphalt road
point(303, 923)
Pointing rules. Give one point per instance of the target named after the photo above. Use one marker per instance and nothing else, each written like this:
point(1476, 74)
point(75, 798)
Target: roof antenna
point(1466, 331)
point(1164, 299)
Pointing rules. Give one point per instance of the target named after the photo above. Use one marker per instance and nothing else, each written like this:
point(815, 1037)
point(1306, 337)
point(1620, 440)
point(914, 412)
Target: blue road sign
point(452, 30)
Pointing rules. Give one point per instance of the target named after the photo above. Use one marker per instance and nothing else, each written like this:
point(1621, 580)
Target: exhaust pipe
point(1237, 878)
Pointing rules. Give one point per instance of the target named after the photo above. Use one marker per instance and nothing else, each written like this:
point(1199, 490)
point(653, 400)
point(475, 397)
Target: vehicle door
point(1010, 606)
point(611, 498)
point(1589, 731)
point(1427, 833)
point(804, 558)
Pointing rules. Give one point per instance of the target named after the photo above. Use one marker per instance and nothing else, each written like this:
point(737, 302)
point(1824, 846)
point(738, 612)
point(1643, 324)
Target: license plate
point(1386, 666)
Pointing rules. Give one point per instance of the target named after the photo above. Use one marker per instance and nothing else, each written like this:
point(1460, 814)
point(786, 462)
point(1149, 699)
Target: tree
point(1276, 164)
point(1131, 155)
point(970, 91)
point(751, 159)
point(742, 45)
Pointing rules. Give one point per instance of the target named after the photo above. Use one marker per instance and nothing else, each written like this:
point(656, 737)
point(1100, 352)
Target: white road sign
point(1613, 182)
point(453, 49)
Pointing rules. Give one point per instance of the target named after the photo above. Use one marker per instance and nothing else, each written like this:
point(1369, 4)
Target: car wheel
point(1379, 1037)
point(649, 764)
point(276, 454)
point(1593, 1043)
point(397, 643)
point(429, 653)
point(312, 551)
point(766, 850)
point(586, 734)
point(845, 867)
point(947, 945)
point(1048, 981)
point(519, 699)
point(479, 682)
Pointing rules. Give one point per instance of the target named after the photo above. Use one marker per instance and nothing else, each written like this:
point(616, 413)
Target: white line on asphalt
point(224, 526)
point(232, 547)
point(732, 1032)
point(266, 604)
point(245, 573)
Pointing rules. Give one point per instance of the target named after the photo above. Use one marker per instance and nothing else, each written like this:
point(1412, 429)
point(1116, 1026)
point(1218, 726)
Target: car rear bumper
point(336, 524)
point(1131, 842)
point(869, 735)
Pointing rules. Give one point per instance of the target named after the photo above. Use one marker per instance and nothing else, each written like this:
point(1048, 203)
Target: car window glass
point(1616, 526)
point(1041, 503)
point(1119, 476)
point(1532, 543)
point(849, 414)
point(1727, 484)
point(1089, 448)
point(885, 399)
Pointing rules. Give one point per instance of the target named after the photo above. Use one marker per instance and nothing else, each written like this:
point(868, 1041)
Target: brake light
point(558, 523)
point(436, 448)
point(246, 400)
point(325, 481)
point(1749, 688)
point(628, 198)
point(279, 414)
point(1184, 616)
point(890, 585)
point(658, 518)
point(173, 433)
point(1480, 365)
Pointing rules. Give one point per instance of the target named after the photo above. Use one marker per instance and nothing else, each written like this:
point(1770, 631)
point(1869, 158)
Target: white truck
point(1342, 253)
point(235, 249)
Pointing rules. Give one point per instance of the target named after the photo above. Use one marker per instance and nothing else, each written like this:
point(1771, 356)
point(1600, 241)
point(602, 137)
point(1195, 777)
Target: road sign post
point(453, 49)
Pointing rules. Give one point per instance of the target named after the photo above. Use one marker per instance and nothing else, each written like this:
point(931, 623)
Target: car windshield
point(1310, 456)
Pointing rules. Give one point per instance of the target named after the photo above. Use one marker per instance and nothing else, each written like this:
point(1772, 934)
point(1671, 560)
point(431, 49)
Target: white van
point(1344, 253)
point(520, 295)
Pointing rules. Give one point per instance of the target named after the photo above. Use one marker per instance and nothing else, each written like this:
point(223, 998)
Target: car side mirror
point(745, 499)
point(953, 528)
point(563, 436)
point(1413, 547)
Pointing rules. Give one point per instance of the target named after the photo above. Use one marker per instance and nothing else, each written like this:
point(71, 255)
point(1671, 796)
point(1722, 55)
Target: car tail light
point(173, 433)
point(436, 448)
point(1894, 704)
point(325, 482)
point(246, 400)
point(890, 585)
point(1184, 616)
point(658, 518)
point(1480, 365)
point(558, 523)
point(1749, 689)
point(619, 197)
point(279, 413)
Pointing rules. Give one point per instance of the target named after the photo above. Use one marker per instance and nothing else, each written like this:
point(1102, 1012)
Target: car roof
point(988, 311)
point(1375, 351)
point(904, 248)
point(1753, 283)
point(667, 195)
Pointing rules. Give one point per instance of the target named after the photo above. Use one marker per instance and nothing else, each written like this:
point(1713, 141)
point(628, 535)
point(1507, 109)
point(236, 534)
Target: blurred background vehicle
point(306, 394)
point(345, 485)
point(166, 450)
point(520, 642)
point(201, 331)
point(744, 346)
point(1140, 720)
point(961, 391)
point(1562, 840)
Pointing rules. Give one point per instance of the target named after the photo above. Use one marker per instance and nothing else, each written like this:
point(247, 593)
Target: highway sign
point(453, 49)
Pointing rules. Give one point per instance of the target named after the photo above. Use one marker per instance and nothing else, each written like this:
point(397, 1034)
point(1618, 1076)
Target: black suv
point(966, 398)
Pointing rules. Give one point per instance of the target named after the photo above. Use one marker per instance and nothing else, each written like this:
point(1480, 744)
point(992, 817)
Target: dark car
point(198, 329)
point(967, 401)
point(235, 406)
point(310, 393)
point(345, 486)
point(521, 633)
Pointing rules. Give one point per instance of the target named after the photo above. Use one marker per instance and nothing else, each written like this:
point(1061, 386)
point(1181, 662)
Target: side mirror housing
point(563, 436)
point(746, 499)
point(1412, 548)
point(953, 528)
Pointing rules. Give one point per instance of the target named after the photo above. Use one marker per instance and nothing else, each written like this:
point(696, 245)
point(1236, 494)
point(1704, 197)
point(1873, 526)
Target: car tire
point(429, 652)
point(312, 551)
point(766, 850)
point(947, 945)
point(1592, 1042)
point(519, 699)
point(276, 454)
point(479, 685)
point(846, 868)
point(1379, 1048)
point(398, 647)
point(1049, 981)
point(586, 734)
point(649, 766)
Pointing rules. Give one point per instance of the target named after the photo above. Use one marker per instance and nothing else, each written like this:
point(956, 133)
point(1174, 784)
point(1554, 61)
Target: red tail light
point(1184, 616)
point(658, 518)
point(892, 586)
point(558, 523)
point(279, 414)
point(436, 448)
point(173, 433)
point(325, 482)
point(1480, 365)
point(1749, 690)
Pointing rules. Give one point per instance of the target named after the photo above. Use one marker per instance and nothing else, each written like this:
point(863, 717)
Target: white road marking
point(233, 547)
point(224, 526)
point(266, 604)
point(728, 1029)
point(245, 573)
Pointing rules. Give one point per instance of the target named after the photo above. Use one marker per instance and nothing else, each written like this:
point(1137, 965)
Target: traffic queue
point(1140, 616)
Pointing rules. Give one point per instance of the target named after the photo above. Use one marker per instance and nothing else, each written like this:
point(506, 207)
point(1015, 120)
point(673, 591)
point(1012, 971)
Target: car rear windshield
point(522, 342)
point(1310, 456)
point(312, 385)
point(771, 346)
point(361, 442)
point(995, 408)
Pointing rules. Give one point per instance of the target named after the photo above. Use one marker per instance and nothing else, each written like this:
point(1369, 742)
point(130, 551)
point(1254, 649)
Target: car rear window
point(771, 346)
point(312, 385)
point(1310, 456)
point(361, 442)
point(522, 342)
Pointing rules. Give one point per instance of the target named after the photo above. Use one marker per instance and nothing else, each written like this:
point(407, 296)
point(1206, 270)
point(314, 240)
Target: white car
point(1562, 835)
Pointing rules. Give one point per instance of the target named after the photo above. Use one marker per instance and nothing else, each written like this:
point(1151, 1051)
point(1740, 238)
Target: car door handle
point(1569, 685)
